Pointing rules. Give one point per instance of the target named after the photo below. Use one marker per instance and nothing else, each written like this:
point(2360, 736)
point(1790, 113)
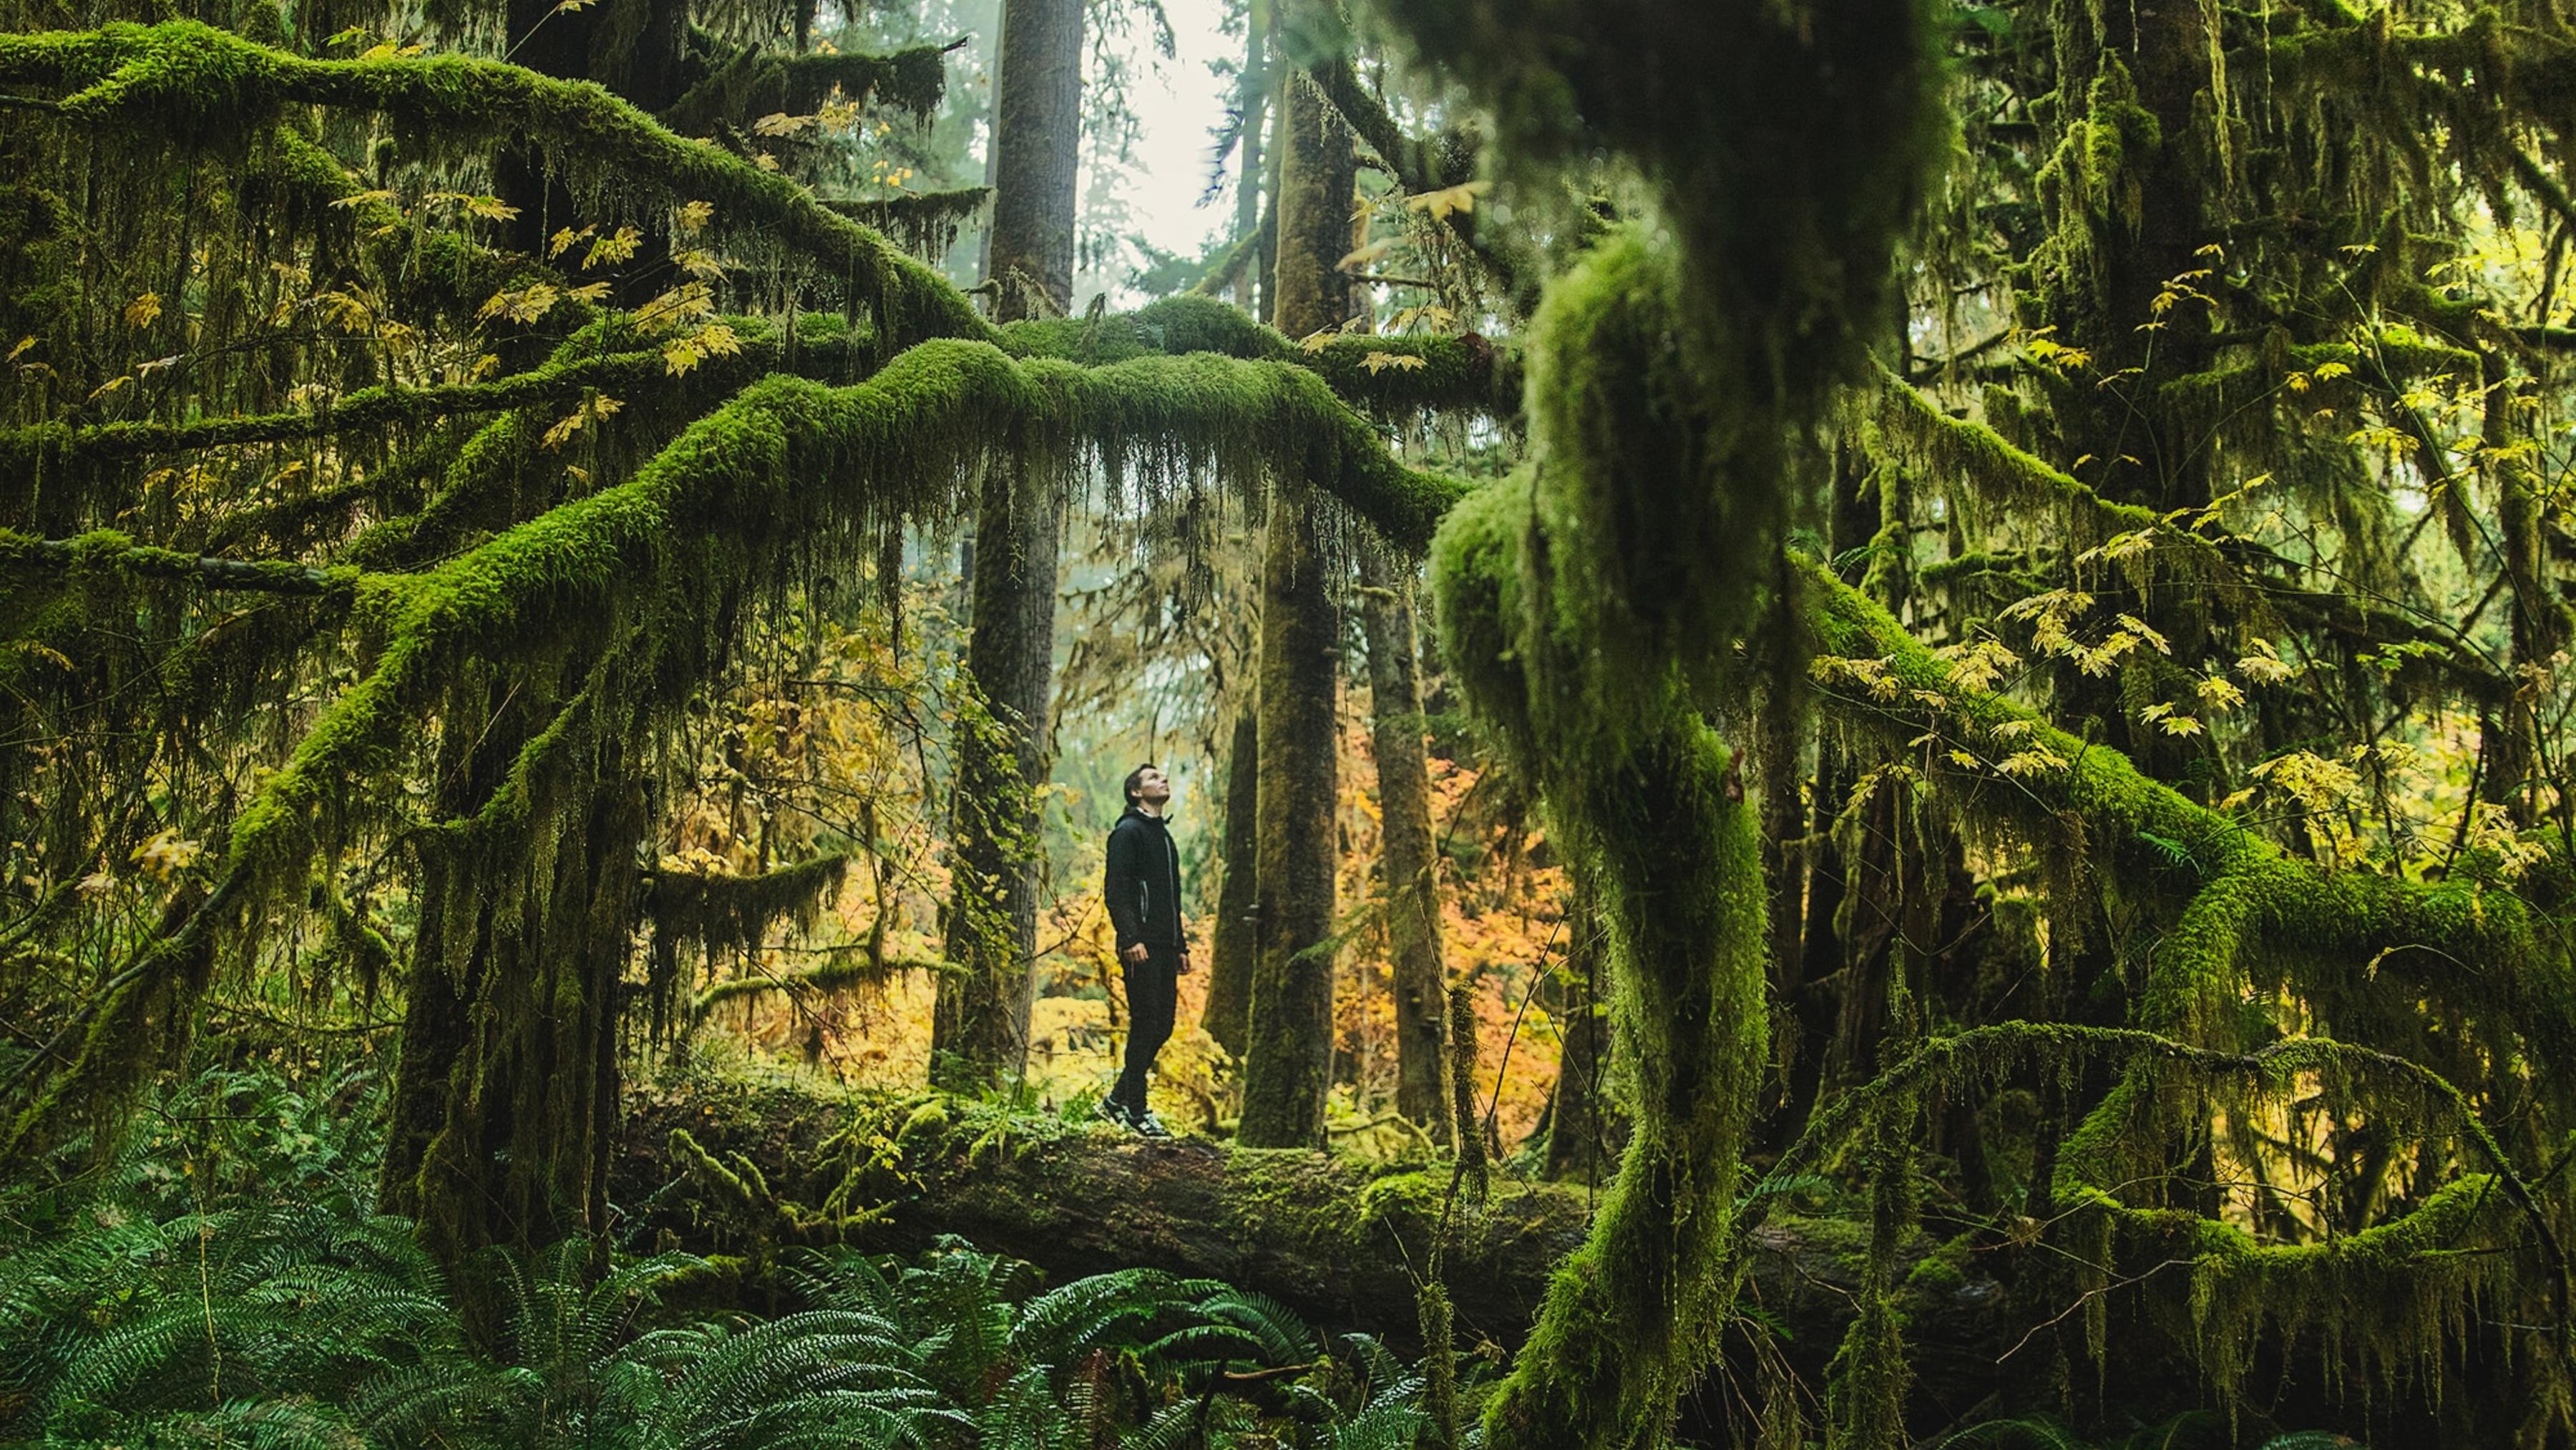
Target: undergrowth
point(226, 1279)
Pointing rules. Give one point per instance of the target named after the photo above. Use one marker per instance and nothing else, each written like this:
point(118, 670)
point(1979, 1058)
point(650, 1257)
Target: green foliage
point(230, 1280)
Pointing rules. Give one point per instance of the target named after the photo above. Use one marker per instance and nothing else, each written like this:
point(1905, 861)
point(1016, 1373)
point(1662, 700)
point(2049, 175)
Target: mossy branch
point(1989, 462)
point(924, 223)
point(847, 966)
point(2239, 1284)
point(790, 469)
point(199, 83)
point(1229, 268)
point(108, 549)
point(716, 911)
point(2260, 916)
point(1391, 376)
point(48, 446)
point(756, 82)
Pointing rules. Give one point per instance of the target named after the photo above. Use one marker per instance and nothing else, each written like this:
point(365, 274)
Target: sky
point(1180, 102)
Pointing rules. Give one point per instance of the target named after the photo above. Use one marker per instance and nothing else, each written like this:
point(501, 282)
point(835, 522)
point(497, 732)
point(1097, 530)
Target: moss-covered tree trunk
point(1288, 1053)
point(980, 1026)
point(1584, 1131)
point(1404, 813)
point(1627, 1324)
point(1227, 1014)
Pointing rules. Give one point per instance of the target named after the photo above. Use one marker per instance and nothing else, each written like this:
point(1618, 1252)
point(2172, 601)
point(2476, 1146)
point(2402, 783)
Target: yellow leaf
point(1365, 255)
point(1447, 199)
point(613, 249)
point(20, 350)
point(166, 853)
point(695, 216)
point(1377, 362)
point(142, 310)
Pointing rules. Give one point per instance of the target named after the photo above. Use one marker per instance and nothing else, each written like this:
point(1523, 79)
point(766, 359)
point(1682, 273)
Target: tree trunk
point(1249, 175)
point(1289, 1052)
point(1227, 1016)
point(1584, 1133)
point(1412, 884)
point(980, 1024)
point(1323, 1235)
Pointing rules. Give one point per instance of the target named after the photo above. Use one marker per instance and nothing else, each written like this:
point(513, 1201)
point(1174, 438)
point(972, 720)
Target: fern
point(1386, 1426)
point(1283, 1338)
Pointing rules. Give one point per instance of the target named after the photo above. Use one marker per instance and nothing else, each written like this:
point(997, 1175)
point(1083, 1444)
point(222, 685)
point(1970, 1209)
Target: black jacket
point(1144, 885)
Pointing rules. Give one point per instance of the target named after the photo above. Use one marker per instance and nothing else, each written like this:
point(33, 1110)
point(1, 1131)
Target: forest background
point(1873, 754)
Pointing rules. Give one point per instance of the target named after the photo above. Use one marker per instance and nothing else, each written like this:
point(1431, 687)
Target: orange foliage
point(786, 771)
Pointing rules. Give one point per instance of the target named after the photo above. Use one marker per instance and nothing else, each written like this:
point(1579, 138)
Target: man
point(1144, 895)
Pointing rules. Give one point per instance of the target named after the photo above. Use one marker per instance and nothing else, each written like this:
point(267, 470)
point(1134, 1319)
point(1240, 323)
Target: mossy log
point(1336, 1239)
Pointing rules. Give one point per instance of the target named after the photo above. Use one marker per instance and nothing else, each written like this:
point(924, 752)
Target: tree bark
point(1412, 884)
point(1337, 1242)
point(1249, 171)
point(1289, 1052)
point(980, 1023)
point(1037, 148)
point(1584, 1135)
point(1227, 1016)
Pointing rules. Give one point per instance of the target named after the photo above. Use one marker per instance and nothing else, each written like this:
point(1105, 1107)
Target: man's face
point(1153, 787)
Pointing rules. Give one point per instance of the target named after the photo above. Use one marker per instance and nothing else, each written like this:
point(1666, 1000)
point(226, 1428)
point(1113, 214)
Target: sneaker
point(1149, 1126)
point(1110, 1110)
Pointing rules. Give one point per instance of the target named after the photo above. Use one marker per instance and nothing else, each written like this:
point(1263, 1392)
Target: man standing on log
point(1144, 895)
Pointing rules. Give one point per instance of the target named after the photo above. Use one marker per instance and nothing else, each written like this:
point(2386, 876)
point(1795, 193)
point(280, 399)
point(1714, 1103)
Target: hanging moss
point(845, 968)
point(1583, 598)
point(203, 84)
point(2263, 919)
point(755, 82)
point(907, 437)
point(108, 549)
point(715, 912)
point(1396, 378)
point(924, 223)
point(2429, 1269)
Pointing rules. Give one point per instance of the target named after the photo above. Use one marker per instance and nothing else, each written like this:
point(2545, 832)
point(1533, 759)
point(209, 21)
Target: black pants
point(1153, 996)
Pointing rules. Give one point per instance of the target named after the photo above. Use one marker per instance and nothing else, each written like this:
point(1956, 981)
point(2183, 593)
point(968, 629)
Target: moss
point(106, 549)
point(202, 84)
point(1472, 1170)
point(718, 912)
point(924, 223)
point(756, 82)
point(789, 459)
point(53, 446)
point(2431, 1264)
point(2116, 128)
point(1395, 378)
point(2262, 919)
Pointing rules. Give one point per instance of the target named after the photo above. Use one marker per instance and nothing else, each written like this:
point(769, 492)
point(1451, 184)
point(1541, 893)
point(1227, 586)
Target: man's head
point(1147, 787)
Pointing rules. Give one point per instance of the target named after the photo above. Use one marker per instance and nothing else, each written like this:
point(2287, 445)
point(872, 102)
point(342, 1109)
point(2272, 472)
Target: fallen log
point(726, 1167)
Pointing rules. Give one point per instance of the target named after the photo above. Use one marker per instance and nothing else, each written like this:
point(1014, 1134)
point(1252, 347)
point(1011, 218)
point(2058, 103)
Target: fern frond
point(1283, 1337)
